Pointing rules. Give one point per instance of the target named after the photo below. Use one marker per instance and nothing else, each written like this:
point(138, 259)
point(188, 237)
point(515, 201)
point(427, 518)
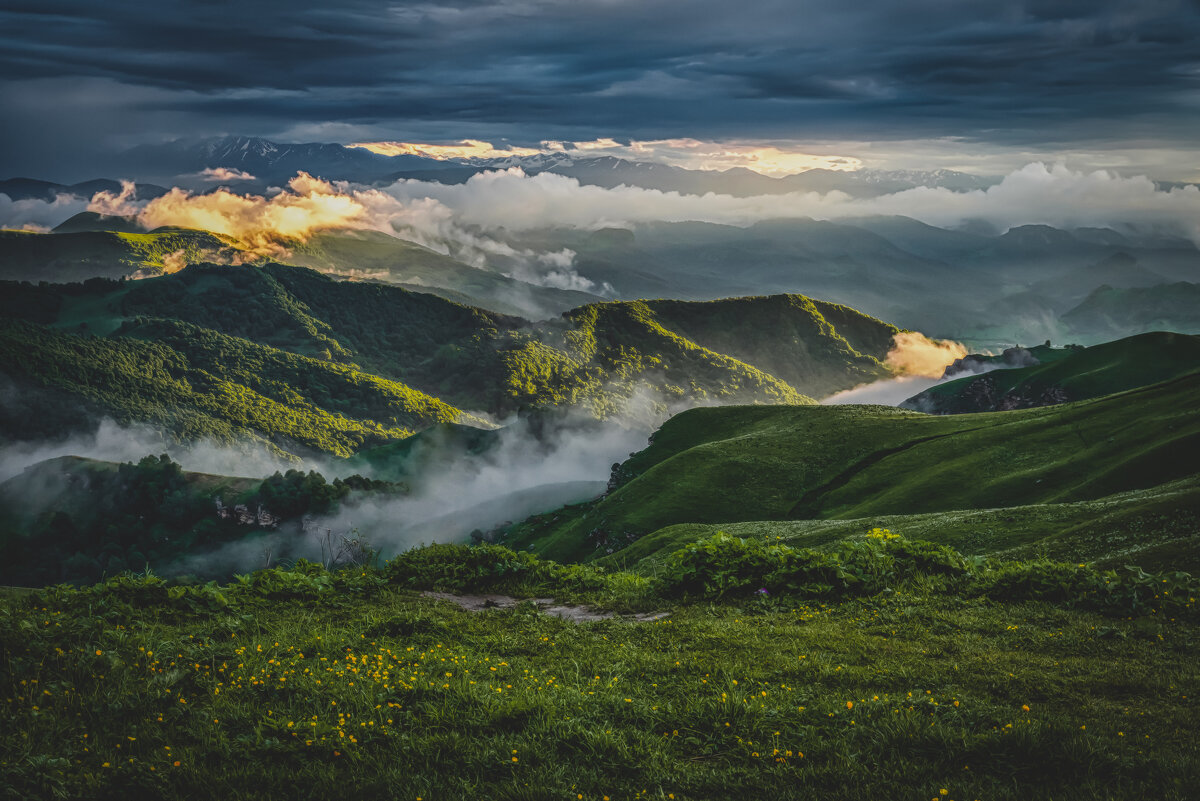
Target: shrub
point(1133, 592)
point(723, 565)
point(486, 567)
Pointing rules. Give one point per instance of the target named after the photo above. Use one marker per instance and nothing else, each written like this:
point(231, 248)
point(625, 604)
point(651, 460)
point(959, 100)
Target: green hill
point(91, 245)
point(810, 344)
point(376, 256)
point(596, 358)
point(197, 383)
point(78, 256)
point(740, 464)
point(1153, 528)
point(1073, 375)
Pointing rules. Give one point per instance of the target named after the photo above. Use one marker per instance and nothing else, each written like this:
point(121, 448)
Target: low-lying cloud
point(36, 214)
point(1035, 194)
point(467, 221)
point(889, 392)
point(918, 362)
point(112, 442)
point(510, 199)
point(914, 354)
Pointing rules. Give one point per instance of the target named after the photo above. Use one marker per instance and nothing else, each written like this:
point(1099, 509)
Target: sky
point(980, 86)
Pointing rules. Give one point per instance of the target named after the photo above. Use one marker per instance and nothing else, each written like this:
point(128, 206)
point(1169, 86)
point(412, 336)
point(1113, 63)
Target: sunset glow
point(691, 154)
point(466, 149)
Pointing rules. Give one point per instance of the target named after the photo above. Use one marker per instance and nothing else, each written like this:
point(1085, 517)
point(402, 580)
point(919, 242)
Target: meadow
point(876, 667)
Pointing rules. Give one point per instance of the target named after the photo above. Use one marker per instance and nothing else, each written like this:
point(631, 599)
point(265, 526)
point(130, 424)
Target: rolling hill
point(81, 255)
point(439, 357)
point(742, 464)
point(1076, 374)
point(196, 383)
point(90, 245)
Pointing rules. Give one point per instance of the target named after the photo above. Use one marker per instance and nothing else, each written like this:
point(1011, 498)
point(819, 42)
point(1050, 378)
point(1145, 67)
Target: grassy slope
point(741, 464)
point(1153, 528)
point(1089, 373)
point(912, 695)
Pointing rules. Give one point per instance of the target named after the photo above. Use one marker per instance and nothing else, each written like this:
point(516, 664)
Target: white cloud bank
point(1035, 194)
point(462, 219)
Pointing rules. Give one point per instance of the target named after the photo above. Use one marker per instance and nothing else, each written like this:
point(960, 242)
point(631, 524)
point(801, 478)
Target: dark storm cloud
point(999, 72)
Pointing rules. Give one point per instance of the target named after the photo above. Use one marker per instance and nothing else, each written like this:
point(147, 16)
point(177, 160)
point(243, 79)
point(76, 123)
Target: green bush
point(1134, 592)
point(490, 568)
point(722, 566)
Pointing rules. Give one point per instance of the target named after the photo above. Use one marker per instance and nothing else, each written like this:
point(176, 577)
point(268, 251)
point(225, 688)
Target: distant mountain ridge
point(33, 189)
point(1118, 311)
point(273, 163)
point(90, 245)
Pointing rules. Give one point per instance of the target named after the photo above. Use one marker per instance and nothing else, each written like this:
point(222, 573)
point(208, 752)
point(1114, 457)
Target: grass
point(1078, 375)
point(1155, 529)
point(245, 692)
point(742, 464)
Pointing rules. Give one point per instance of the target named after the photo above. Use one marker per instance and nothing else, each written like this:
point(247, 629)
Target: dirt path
point(575, 614)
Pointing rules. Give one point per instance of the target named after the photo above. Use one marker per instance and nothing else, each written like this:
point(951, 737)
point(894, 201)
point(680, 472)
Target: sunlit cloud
point(258, 222)
point(265, 225)
point(116, 204)
point(769, 160)
point(691, 154)
point(915, 354)
point(466, 149)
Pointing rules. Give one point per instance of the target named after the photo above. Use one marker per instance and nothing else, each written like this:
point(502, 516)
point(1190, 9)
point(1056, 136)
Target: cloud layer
point(445, 216)
point(1048, 74)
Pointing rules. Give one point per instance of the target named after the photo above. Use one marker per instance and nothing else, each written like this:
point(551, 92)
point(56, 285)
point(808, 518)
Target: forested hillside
point(299, 359)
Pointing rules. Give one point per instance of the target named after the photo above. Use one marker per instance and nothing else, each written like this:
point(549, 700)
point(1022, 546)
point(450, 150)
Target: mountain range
point(290, 357)
point(264, 163)
point(1029, 284)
